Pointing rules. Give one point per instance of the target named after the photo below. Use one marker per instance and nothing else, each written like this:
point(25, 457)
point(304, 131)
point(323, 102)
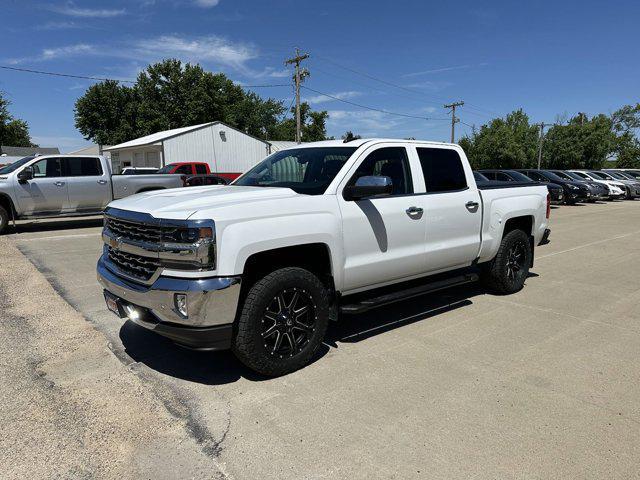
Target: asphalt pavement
point(460, 384)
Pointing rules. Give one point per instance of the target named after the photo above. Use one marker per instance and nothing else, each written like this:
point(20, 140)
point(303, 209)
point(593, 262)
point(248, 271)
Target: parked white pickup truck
point(262, 265)
point(66, 185)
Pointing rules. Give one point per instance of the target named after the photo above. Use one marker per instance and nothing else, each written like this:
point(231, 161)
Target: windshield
point(583, 175)
point(563, 175)
point(521, 177)
point(167, 168)
point(617, 175)
point(600, 175)
point(574, 176)
point(551, 176)
point(304, 170)
point(12, 167)
point(480, 177)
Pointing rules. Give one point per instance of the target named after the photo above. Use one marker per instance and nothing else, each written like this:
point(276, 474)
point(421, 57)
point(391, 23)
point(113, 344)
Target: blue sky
point(550, 58)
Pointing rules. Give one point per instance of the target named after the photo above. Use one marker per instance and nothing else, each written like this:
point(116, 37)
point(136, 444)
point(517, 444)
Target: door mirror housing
point(368, 186)
point(25, 174)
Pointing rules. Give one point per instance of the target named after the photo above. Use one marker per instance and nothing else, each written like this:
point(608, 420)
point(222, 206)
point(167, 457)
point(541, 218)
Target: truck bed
point(493, 184)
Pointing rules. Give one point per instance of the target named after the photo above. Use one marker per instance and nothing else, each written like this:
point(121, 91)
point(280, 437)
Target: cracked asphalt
point(461, 384)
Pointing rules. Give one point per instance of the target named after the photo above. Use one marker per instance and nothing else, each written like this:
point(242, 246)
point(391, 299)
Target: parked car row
point(573, 186)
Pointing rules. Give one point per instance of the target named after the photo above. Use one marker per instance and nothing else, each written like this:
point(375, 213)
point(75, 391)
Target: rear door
point(453, 209)
point(383, 236)
point(46, 192)
point(201, 169)
point(88, 183)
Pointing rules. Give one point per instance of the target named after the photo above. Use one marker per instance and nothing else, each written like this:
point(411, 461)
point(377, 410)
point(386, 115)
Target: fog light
point(132, 312)
point(180, 300)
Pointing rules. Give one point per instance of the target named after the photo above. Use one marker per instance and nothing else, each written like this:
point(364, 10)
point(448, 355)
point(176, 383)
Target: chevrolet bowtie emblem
point(114, 243)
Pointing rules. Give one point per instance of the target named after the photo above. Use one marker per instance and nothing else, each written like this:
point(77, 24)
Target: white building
point(226, 149)
point(92, 149)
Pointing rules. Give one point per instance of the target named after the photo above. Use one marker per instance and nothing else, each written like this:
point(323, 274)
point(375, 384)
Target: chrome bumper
point(211, 302)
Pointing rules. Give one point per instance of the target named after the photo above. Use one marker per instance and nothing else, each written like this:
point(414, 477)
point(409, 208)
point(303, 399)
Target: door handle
point(102, 182)
point(59, 184)
point(414, 212)
point(472, 206)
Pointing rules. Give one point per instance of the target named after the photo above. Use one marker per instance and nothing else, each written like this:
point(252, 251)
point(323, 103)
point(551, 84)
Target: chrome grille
point(141, 268)
point(141, 232)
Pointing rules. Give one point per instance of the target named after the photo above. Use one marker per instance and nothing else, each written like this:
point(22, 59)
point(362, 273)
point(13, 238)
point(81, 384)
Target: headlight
point(189, 235)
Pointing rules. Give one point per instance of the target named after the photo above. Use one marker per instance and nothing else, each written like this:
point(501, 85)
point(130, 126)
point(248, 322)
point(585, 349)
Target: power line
point(101, 79)
point(433, 98)
point(454, 119)
point(56, 74)
point(408, 115)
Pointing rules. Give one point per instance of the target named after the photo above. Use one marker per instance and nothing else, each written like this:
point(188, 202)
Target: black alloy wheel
point(288, 322)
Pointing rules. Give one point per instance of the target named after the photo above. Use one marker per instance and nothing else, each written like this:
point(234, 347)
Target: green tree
point(582, 142)
point(509, 142)
point(626, 123)
point(170, 94)
point(349, 135)
point(106, 113)
point(13, 132)
point(313, 125)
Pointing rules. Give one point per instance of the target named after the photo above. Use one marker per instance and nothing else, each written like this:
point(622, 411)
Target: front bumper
point(212, 305)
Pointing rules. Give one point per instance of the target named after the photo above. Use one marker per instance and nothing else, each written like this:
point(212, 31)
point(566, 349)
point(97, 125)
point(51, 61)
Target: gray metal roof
point(25, 151)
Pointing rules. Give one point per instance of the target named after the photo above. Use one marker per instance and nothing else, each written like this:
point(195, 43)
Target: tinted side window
point(535, 176)
point(389, 162)
point(503, 177)
point(49, 168)
point(82, 167)
point(201, 169)
point(184, 169)
point(490, 175)
point(442, 169)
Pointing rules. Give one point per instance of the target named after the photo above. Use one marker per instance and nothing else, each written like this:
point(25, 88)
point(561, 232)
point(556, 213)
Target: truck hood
point(181, 203)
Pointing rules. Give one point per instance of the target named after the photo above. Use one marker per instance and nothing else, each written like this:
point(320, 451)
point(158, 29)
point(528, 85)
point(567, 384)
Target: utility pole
point(541, 125)
point(454, 119)
point(298, 77)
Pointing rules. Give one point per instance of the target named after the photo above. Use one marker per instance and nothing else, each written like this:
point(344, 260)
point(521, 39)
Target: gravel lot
point(461, 384)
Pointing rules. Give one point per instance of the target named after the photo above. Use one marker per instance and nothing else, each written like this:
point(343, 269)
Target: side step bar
point(368, 304)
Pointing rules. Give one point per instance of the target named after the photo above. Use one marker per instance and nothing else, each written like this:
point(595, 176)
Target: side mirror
point(25, 175)
point(369, 186)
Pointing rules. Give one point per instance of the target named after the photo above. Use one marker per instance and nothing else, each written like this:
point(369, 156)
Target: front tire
point(283, 321)
point(4, 220)
point(509, 269)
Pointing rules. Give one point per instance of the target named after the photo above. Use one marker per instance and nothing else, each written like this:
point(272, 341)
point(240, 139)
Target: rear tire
point(4, 220)
point(509, 269)
point(282, 323)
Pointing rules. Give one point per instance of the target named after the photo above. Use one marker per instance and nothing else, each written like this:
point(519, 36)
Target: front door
point(383, 237)
point(46, 193)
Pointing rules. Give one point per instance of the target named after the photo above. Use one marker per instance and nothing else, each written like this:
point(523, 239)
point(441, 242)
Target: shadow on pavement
point(216, 368)
point(51, 225)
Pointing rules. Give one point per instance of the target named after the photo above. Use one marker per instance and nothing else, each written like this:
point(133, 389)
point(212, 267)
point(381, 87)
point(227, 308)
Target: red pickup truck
point(186, 168)
point(195, 168)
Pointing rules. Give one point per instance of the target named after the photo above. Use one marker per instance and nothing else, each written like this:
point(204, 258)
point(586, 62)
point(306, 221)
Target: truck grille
point(141, 268)
point(137, 231)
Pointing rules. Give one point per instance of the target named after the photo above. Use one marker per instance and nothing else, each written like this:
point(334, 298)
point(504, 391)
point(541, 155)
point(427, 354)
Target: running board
point(368, 304)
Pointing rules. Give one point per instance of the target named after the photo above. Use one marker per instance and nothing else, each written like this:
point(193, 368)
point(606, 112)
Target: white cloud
point(340, 95)
point(364, 122)
point(57, 53)
point(207, 3)
point(57, 26)
point(431, 86)
point(71, 10)
point(208, 50)
point(437, 70)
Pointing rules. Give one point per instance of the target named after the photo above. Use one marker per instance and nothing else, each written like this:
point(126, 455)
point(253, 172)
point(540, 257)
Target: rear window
point(82, 167)
point(442, 169)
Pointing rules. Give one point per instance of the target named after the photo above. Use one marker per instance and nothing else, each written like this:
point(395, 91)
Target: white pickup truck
point(262, 265)
point(67, 185)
